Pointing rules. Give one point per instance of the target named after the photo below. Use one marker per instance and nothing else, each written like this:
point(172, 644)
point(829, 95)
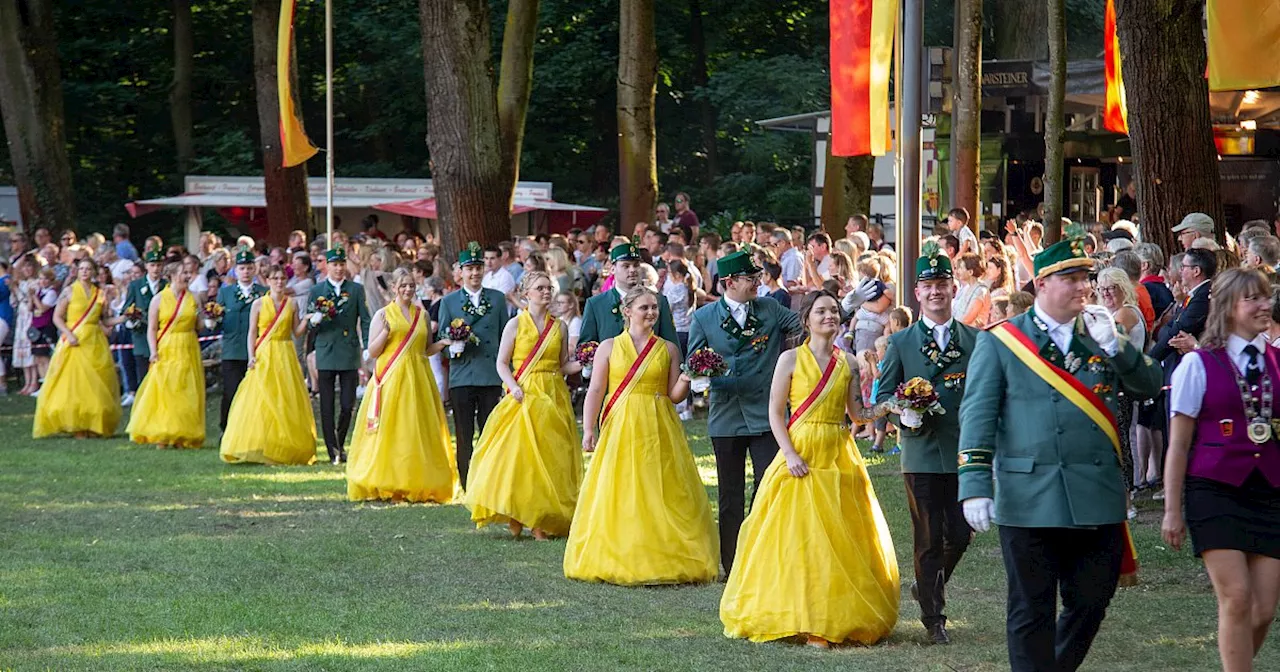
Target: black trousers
point(233, 371)
point(336, 438)
point(941, 536)
point(141, 365)
point(1040, 562)
point(731, 473)
point(471, 408)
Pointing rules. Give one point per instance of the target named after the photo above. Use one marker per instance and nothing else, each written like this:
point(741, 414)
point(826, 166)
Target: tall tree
point(966, 133)
point(846, 190)
point(288, 207)
point(1017, 26)
point(515, 81)
point(637, 86)
point(472, 180)
point(1175, 160)
point(1055, 121)
point(31, 104)
point(180, 90)
point(706, 112)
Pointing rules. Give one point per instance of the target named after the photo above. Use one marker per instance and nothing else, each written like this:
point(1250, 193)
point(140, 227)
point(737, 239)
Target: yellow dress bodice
point(653, 378)
point(527, 334)
point(267, 315)
point(186, 319)
point(830, 408)
point(79, 303)
point(398, 325)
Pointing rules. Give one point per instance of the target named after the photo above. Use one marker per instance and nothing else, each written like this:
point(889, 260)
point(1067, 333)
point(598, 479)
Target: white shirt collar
point(733, 305)
point(1053, 324)
point(1235, 345)
point(475, 296)
point(934, 325)
point(1202, 283)
point(337, 286)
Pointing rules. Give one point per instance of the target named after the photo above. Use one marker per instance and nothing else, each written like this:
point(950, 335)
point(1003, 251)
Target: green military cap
point(245, 256)
point(335, 255)
point(624, 252)
point(738, 263)
point(1062, 257)
point(933, 264)
point(153, 256)
point(471, 254)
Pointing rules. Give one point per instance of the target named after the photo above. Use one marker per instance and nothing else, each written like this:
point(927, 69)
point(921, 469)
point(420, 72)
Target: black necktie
point(1254, 373)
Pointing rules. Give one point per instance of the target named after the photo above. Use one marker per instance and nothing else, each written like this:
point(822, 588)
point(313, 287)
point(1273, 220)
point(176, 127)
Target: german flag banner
point(862, 33)
point(1115, 116)
point(293, 139)
point(1243, 35)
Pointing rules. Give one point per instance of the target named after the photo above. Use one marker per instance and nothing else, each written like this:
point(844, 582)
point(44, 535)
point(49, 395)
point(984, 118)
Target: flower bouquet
point(134, 320)
point(703, 365)
point(322, 310)
point(915, 399)
point(459, 332)
point(586, 354)
point(213, 312)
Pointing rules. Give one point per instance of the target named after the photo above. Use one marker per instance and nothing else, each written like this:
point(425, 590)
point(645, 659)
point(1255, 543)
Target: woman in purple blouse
point(1223, 448)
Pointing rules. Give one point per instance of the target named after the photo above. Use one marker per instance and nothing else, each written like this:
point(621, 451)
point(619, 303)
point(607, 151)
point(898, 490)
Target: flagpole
point(903, 297)
point(328, 121)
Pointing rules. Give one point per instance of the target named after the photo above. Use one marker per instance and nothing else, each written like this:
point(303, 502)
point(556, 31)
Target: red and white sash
point(633, 374)
point(93, 301)
point(172, 318)
point(538, 348)
point(373, 418)
point(279, 312)
point(819, 392)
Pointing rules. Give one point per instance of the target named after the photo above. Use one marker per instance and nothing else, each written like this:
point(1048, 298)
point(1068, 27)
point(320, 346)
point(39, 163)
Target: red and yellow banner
point(861, 56)
point(1116, 115)
point(296, 146)
point(1243, 35)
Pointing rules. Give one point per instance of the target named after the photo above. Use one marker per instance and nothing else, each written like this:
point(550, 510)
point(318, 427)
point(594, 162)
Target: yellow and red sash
point(820, 391)
point(380, 373)
point(1081, 397)
point(538, 348)
point(271, 327)
point(628, 381)
point(93, 301)
point(172, 318)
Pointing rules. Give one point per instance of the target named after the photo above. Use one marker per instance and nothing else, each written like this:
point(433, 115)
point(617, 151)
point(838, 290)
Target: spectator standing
point(124, 248)
point(686, 218)
point(958, 225)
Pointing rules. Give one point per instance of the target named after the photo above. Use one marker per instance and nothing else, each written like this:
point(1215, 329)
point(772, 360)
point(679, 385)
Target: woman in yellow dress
point(643, 515)
point(814, 557)
point(81, 393)
point(168, 410)
point(527, 469)
point(270, 419)
point(401, 450)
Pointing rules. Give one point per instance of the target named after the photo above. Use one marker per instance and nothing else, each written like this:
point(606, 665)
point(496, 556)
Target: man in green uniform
point(937, 349)
point(602, 315)
point(1039, 408)
point(340, 342)
point(139, 294)
point(237, 303)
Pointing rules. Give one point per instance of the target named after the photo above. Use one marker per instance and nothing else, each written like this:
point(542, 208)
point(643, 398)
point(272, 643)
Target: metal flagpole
point(903, 297)
point(912, 86)
point(328, 121)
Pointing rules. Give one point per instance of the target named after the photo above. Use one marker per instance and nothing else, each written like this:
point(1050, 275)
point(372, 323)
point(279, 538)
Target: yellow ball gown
point(270, 419)
point(401, 449)
point(81, 392)
point(528, 466)
point(815, 556)
point(169, 407)
point(643, 515)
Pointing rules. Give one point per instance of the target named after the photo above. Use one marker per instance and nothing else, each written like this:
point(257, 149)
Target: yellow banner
point(1243, 35)
point(296, 146)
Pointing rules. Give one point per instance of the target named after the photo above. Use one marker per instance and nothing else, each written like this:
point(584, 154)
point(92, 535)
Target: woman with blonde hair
point(843, 271)
point(558, 269)
point(169, 407)
point(1116, 293)
point(1224, 463)
point(972, 303)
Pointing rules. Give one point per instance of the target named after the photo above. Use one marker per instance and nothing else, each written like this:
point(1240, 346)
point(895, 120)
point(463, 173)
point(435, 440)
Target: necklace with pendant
point(1258, 414)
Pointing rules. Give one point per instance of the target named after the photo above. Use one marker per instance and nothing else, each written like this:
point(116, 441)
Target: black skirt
point(1225, 517)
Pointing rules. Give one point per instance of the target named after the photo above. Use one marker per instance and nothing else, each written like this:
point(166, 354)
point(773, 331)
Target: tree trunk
point(966, 132)
point(846, 190)
point(288, 206)
point(180, 91)
point(34, 124)
point(515, 82)
point(1055, 121)
point(472, 183)
point(1018, 25)
point(1175, 160)
point(637, 143)
point(698, 42)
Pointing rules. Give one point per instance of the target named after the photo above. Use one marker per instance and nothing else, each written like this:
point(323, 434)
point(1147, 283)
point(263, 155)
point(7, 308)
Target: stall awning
point(139, 208)
point(425, 208)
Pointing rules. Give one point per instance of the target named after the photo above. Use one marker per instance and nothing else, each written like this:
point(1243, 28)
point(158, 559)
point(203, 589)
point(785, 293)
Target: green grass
point(121, 557)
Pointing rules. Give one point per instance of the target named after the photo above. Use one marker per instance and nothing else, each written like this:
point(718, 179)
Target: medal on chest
point(1257, 411)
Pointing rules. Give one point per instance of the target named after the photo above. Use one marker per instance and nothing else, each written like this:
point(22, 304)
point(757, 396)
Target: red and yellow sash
point(380, 373)
point(93, 301)
point(279, 311)
point(1081, 397)
point(538, 347)
point(172, 318)
point(820, 391)
point(628, 381)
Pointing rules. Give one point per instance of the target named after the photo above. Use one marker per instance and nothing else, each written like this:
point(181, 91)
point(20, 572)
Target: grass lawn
point(122, 557)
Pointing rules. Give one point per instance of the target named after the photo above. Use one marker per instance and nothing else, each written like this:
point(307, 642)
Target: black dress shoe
point(342, 456)
point(938, 634)
point(915, 591)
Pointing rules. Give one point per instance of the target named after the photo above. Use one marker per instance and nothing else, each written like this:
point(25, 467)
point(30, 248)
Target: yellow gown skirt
point(168, 409)
point(408, 456)
point(643, 515)
point(528, 465)
point(81, 391)
point(270, 419)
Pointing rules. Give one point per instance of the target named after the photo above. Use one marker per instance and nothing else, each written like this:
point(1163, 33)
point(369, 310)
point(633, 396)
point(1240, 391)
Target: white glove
point(456, 348)
point(860, 295)
point(1102, 328)
point(365, 355)
point(586, 372)
point(911, 418)
point(210, 323)
point(979, 511)
point(699, 384)
point(316, 318)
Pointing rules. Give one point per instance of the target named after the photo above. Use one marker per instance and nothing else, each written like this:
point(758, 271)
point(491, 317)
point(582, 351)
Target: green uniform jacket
point(338, 346)
point(932, 449)
point(477, 366)
point(740, 399)
point(602, 318)
point(1056, 467)
point(235, 320)
point(139, 294)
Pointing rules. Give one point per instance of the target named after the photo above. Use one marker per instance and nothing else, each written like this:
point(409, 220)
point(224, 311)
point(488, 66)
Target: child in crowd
point(1019, 303)
point(899, 319)
point(999, 310)
point(870, 319)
